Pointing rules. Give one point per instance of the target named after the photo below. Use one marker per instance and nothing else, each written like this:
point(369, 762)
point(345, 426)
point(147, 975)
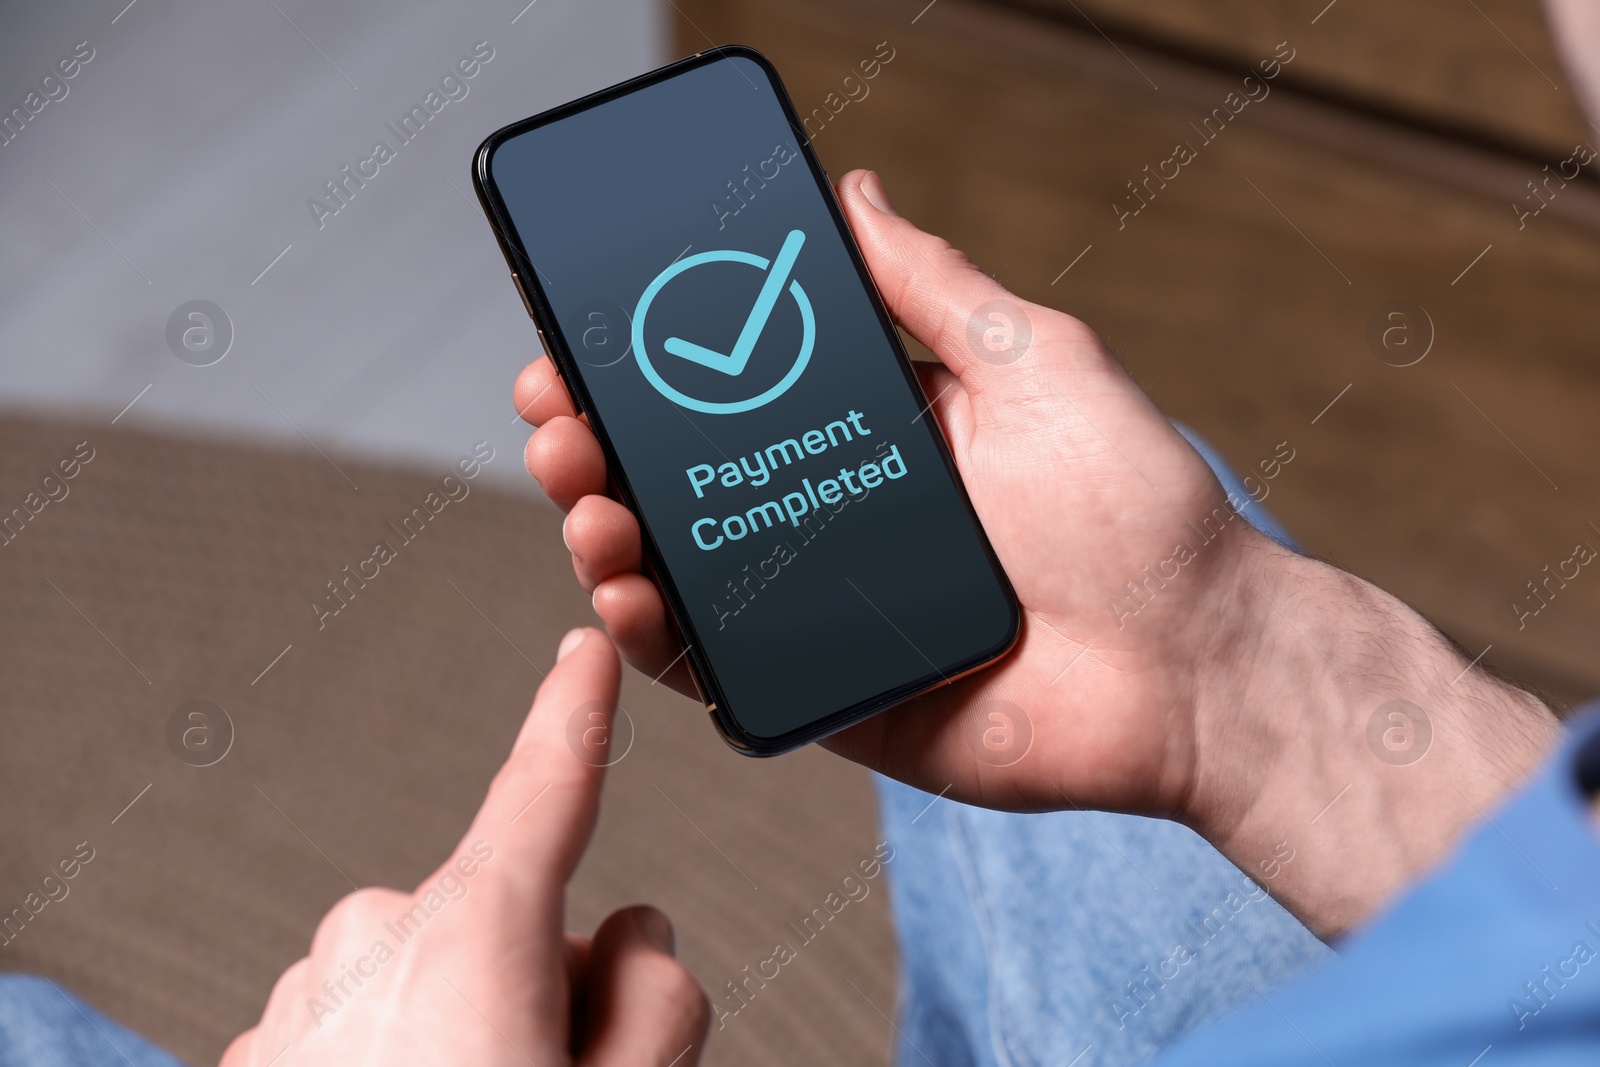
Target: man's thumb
point(934, 291)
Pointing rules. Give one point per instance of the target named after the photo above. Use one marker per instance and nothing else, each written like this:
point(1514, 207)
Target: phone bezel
point(560, 353)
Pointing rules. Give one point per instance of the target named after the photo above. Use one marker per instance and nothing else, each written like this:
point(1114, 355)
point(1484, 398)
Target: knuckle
point(286, 996)
point(238, 1051)
point(353, 914)
point(368, 903)
point(290, 979)
point(685, 996)
point(674, 982)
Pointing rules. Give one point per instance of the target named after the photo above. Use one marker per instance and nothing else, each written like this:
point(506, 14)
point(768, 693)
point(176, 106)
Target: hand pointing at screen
point(475, 968)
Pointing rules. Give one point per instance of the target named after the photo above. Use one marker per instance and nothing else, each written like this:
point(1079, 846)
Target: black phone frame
point(561, 355)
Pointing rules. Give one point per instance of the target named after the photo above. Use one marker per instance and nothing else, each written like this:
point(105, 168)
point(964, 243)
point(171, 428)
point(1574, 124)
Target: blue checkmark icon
point(734, 363)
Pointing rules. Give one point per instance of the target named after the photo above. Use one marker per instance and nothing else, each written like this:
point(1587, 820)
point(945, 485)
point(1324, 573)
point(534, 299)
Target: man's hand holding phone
point(1236, 698)
point(1055, 449)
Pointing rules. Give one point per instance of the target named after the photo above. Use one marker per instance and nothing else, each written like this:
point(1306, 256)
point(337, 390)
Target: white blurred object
point(180, 161)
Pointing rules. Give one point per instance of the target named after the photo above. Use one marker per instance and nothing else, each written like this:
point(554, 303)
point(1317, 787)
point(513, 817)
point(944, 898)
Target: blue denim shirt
point(1493, 960)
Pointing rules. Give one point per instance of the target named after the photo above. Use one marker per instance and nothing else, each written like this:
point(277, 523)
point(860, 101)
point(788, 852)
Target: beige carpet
point(173, 570)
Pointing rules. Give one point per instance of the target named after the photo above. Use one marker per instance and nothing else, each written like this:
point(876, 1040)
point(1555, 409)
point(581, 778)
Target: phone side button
point(526, 303)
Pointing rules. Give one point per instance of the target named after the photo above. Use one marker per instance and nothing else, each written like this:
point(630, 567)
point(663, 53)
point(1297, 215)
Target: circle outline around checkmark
point(730, 407)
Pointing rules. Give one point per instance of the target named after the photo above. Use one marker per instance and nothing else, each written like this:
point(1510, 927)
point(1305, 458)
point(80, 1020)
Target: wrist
point(1336, 727)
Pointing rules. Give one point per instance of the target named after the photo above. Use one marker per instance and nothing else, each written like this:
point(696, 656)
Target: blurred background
point(1356, 264)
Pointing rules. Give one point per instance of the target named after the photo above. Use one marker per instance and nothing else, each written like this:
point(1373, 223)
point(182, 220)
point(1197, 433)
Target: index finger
point(541, 807)
point(540, 394)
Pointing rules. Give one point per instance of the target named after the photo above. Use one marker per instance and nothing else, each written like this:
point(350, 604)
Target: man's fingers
point(566, 461)
point(540, 394)
point(542, 805)
point(350, 923)
point(636, 617)
point(608, 556)
point(575, 954)
point(970, 321)
point(936, 379)
point(642, 1008)
point(575, 957)
point(603, 537)
point(948, 403)
point(283, 1015)
point(241, 1050)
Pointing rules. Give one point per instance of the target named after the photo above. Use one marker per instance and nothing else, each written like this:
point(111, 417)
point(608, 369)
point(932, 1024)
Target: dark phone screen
point(753, 397)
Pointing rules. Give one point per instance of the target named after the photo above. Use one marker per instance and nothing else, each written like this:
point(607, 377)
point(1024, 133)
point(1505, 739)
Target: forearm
point(1291, 762)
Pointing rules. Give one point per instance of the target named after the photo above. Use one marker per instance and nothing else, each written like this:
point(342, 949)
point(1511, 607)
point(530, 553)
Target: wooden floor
point(1240, 295)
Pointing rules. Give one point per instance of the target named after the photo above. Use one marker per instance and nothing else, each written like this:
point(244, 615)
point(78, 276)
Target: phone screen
point(694, 281)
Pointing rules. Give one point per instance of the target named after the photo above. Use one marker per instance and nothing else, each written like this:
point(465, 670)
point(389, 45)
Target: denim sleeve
point(1074, 937)
point(1491, 961)
point(43, 1025)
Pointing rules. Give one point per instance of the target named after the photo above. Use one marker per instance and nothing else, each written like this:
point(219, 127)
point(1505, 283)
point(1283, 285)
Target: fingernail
point(656, 929)
point(569, 643)
point(872, 188)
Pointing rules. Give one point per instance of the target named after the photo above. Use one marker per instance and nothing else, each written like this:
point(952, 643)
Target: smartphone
point(683, 257)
